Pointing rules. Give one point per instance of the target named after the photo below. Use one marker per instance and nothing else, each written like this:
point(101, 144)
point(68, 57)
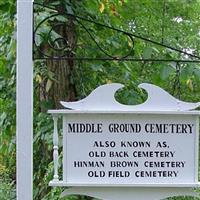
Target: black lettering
point(96, 154)
point(96, 174)
point(104, 144)
point(161, 144)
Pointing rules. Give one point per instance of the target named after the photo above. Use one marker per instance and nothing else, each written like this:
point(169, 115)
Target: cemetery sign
point(130, 148)
point(105, 143)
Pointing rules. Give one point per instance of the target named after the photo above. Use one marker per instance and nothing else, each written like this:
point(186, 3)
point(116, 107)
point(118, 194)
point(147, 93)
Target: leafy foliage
point(7, 100)
point(169, 22)
point(7, 190)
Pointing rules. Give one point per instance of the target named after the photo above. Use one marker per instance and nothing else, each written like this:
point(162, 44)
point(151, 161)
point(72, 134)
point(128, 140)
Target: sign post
point(24, 99)
point(148, 147)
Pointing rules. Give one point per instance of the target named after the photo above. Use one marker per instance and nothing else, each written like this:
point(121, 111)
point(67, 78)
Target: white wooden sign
point(143, 147)
point(130, 149)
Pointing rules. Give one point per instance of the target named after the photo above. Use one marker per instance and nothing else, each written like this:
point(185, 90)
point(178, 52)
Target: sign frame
point(67, 113)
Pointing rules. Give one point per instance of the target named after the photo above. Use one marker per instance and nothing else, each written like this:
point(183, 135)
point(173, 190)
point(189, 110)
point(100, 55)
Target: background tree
point(7, 100)
point(161, 21)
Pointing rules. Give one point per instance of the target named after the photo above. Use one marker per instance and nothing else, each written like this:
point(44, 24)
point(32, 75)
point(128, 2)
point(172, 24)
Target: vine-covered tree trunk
point(63, 85)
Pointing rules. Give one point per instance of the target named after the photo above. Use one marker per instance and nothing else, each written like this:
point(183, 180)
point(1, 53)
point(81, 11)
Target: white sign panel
point(129, 149)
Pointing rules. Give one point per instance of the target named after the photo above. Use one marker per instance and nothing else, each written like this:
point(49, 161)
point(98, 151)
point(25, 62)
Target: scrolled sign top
point(103, 98)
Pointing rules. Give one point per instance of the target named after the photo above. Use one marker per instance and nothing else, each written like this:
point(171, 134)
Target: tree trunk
point(63, 87)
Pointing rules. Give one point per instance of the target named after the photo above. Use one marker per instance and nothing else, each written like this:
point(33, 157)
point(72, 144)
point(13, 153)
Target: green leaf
point(147, 53)
point(48, 85)
point(166, 71)
point(2, 118)
point(197, 73)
